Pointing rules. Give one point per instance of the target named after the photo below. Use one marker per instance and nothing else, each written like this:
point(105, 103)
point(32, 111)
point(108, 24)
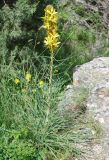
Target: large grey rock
point(92, 73)
point(94, 78)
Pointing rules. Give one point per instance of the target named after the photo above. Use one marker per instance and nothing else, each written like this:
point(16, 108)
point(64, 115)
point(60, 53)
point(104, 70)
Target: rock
point(92, 73)
point(98, 108)
point(94, 78)
point(73, 99)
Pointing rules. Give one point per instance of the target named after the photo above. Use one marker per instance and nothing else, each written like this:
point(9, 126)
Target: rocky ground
point(90, 89)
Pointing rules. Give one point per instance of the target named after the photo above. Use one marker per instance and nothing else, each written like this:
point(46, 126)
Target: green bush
point(20, 35)
point(15, 145)
point(81, 30)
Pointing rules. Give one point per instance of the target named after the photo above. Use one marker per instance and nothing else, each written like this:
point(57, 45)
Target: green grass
point(28, 131)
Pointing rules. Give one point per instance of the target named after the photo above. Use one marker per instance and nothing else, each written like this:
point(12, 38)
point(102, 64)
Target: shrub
point(15, 145)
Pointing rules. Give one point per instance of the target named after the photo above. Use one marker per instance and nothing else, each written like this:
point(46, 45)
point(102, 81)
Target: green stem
point(50, 86)
point(51, 75)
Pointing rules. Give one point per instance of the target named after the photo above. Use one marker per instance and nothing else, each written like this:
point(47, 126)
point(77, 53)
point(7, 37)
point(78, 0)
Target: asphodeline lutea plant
point(52, 37)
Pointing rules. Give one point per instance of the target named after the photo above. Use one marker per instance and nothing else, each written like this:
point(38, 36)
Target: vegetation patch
point(39, 48)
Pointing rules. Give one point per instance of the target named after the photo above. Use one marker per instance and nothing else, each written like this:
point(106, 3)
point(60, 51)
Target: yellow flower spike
point(50, 24)
point(41, 83)
point(28, 77)
point(17, 81)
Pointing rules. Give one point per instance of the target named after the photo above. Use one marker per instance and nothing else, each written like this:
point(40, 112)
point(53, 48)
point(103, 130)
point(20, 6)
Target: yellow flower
point(51, 41)
point(41, 83)
point(17, 81)
point(50, 15)
point(50, 10)
point(50, 18)
point(50, 23)
point(28, 77)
